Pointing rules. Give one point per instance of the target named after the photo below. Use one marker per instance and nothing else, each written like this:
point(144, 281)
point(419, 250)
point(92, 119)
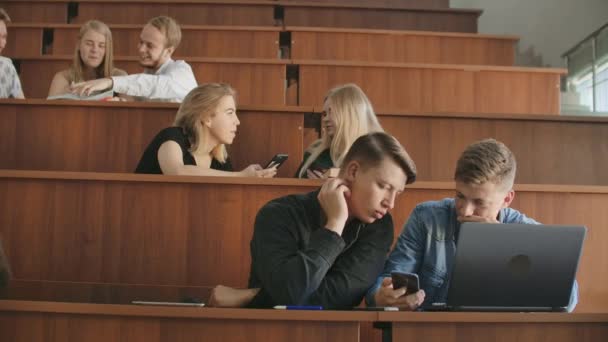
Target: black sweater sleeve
point(322, 273)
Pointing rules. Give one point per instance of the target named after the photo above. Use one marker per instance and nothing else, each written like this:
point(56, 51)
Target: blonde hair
point(106, 68)
point(169, 28)
point(354, 116)
point(484, 161)
point(199, 104)
point(4, 16)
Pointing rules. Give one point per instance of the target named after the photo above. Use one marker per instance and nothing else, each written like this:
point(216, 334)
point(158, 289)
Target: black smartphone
point(408, 280)
point(277, 160)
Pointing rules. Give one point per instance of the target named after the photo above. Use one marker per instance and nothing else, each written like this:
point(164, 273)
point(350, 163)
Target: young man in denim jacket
point(484, 177)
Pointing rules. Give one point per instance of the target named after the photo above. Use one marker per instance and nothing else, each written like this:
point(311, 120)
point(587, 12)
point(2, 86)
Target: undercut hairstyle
point(200, 104)
point(484, 161)
point(4, 16)
point(371, 149)
point(169, 28)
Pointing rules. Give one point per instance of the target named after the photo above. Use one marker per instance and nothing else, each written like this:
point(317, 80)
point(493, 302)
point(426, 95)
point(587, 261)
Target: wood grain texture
point(547, 152)
point(400, 47)
point(72, 136)
point(23, 41)
point(523, 332)
point(549, 149)
point(435, 88)
point(101, 293)
point(182, 231)
point(98, 322)
point(445, 20)
point(243, 13)
point(36, 11)
point(197, 41)
point(258, 82)
point(426, 4)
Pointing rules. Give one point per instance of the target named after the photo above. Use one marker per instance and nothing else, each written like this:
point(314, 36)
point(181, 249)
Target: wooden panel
point(58, 291)
point(23, 41)
point(389, 46)
point(437, 89)
point(426, 4)
point(182, 231)
point(186, 13)
point(381, 18)
point(36, 11)
point(257, 82)
point(522, 332)
point(74, 137)
point(31, 321)
point(548, 152)
point(238, 42)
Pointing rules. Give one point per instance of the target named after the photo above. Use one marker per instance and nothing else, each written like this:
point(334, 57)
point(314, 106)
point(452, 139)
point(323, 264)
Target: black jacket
point(295, 260)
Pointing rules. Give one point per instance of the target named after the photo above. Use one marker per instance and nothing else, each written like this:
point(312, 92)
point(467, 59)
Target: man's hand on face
point(387, 296)
point(474, 218)
point(89, 87)
point(332, 198)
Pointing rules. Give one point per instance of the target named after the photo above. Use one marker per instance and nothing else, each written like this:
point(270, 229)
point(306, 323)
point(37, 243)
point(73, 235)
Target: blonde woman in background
point(93, 58)
point(347, 115)
point(196, 143)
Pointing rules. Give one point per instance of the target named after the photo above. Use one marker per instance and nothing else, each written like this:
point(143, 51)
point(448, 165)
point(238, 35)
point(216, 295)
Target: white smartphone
point(141, 302)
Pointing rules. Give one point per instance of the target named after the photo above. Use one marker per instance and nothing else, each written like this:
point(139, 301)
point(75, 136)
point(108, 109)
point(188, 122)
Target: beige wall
point(547, 28)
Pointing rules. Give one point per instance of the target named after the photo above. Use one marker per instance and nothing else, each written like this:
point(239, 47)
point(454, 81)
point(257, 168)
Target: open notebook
point(94, 97)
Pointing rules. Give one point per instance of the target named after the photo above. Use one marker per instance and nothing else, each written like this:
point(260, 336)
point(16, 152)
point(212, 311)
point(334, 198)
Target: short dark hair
point(4, 16)
point(371, 149)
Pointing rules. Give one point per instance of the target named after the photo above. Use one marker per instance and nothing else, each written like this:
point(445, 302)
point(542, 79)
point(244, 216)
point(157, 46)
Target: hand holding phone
point(408, 280)
point(277, 160)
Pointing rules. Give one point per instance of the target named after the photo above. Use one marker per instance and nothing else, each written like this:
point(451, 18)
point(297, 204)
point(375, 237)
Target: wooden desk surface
point(521, 327)
point(52, 321)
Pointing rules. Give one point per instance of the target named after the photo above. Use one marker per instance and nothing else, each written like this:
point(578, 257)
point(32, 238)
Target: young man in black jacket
point(326, 248)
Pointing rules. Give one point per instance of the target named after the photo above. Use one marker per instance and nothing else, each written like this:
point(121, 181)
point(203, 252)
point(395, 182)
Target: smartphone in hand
point(277, 160)
point(408, 280)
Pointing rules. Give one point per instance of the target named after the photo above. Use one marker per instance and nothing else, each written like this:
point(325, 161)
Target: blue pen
point(298, 307)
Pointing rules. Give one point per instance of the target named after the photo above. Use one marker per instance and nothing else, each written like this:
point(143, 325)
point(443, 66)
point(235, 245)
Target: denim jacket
point(427, 247)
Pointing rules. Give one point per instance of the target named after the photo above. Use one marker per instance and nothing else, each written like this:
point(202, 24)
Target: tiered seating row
point(26, 40)
point(249, 13)
point(550, 150)
point(182, 231)
point(406, 87)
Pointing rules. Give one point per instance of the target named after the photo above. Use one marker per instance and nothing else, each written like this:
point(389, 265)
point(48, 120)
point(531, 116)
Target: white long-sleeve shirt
point(171, 82)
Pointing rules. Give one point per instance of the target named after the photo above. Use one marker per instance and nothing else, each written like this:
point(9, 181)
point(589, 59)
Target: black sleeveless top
point(149, 160)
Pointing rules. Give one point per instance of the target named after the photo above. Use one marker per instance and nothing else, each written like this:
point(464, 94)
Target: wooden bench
point(401, 46)
point(74, 136)
point(437, 88)
point(379, 16)
point(111, 137)
point(195, 231)
point(29, 321)
point(523, 327)
point(259, 81)
point(26, 40)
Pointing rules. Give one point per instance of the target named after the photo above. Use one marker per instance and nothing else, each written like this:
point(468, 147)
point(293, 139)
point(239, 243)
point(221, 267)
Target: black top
point(295, 260)
point(149, 160)
point(322, 163)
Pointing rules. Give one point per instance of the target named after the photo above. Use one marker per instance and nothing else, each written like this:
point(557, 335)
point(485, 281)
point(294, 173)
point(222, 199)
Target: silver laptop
point(514, 267)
